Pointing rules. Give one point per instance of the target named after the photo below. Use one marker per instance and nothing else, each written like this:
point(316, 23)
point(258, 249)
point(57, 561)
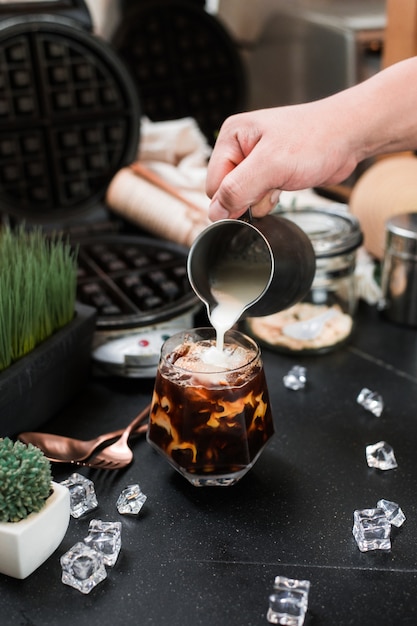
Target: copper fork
point(118, 454)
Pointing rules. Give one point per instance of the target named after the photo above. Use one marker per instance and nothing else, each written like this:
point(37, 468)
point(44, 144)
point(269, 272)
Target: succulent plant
point(25, 480)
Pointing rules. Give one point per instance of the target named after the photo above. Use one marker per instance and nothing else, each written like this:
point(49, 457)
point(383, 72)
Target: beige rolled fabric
point(154, 209)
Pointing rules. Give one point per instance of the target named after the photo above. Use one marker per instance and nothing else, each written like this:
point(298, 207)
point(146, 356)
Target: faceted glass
point(105, 537)
point(210, 422)
point(82, 568)
point(381, 456)
point(371, 530)
point(289, 601)
point(131, 500)
point(82, 494)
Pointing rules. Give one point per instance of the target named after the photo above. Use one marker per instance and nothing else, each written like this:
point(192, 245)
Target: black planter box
point(39, 385)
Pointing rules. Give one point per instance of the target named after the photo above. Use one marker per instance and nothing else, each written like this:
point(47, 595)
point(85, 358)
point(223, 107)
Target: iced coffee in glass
point(211, 414)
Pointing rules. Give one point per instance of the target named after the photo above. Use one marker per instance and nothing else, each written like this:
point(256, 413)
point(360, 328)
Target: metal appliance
point(301, 50)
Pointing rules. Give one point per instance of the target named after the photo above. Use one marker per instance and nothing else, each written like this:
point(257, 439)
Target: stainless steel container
point(399, 274)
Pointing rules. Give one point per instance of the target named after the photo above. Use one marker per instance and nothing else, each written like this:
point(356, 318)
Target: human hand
point(260, 153)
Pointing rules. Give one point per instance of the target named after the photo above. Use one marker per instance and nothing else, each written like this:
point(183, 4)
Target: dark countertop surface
point(208, 556)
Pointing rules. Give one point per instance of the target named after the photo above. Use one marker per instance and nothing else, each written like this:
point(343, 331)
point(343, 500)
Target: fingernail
point(274, 197)
point(217, 211)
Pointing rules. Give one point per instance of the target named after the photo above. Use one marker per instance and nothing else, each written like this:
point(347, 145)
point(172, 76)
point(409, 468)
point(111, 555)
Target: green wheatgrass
point(38, 280)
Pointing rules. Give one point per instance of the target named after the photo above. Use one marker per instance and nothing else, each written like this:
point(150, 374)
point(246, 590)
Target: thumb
point(240, 189)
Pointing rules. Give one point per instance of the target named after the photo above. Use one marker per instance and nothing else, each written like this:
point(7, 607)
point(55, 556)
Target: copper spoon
point(60, 449)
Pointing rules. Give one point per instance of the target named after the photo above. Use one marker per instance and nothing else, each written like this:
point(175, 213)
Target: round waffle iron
point(69, 111)
point(184, 62)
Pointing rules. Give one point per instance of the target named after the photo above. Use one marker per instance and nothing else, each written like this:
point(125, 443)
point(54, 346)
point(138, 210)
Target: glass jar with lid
point(323, 320)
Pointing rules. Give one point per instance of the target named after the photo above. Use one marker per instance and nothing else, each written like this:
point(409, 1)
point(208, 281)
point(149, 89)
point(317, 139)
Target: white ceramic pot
point(25, 545)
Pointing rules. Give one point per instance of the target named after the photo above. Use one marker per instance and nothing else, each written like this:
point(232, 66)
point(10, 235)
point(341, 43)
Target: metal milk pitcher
point(271, 251)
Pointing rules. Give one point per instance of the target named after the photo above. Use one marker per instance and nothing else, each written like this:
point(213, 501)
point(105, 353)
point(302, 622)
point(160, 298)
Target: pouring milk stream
point(234, 286)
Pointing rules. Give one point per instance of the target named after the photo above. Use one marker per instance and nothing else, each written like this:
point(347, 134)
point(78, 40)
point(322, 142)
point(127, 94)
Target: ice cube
point(131, 500)
point(82, 568)
point(371, 401)
point(105, 537)
point(371, 530)
point(296, 378)
point(381, 455)
point(288, 602)
point(392, 511)
point(82, 494)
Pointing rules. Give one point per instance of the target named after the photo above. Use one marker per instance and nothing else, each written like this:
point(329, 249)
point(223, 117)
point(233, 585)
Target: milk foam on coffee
point(203, 357)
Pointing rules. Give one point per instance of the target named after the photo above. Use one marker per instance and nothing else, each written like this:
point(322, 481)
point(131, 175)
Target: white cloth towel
point(178, 153)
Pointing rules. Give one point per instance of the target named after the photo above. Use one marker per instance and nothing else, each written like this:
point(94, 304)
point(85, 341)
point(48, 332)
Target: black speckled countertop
point(208, 556)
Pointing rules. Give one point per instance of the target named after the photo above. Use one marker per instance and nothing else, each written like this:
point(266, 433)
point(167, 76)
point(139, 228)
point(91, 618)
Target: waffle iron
point(69, 111)
point(184, 61)
point(69, 120)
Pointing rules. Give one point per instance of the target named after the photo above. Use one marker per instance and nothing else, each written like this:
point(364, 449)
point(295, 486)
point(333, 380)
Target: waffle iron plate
point(133, 281)
point(69, 117)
